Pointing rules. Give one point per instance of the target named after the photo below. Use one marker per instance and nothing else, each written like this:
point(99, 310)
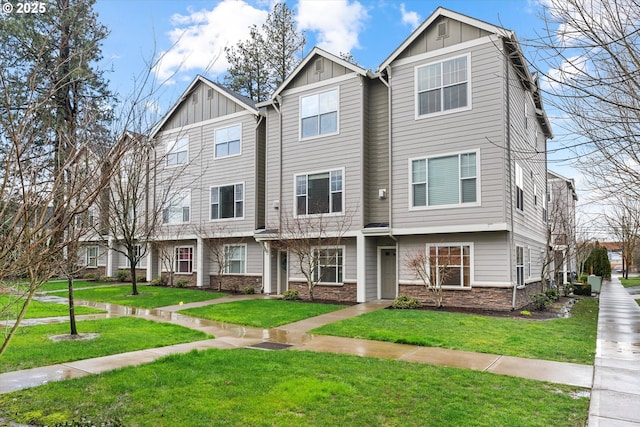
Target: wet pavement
point(614, 379)
point(615, 395)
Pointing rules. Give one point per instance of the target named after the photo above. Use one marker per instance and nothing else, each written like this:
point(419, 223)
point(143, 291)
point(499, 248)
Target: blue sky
point(193, 34)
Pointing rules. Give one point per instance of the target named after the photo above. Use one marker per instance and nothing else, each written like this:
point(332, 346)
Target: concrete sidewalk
point(296, 335)
point(615, 395)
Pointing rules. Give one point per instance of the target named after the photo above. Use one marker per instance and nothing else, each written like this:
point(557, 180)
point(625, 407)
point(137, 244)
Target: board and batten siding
point(478, 129)
point(339, 151)
point(376, 152)
point(318, 69)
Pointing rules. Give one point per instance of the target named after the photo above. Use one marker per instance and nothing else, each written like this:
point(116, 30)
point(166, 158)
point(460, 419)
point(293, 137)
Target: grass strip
point(32, 346)
point(291, 388)
point(570, 339)
point(39, 309)
point(261, 313)
point(59, 285)
point(149, 296)
point(630, 282)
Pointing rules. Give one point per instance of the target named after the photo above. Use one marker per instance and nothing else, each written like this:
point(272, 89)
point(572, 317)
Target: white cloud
point(409, 17)
point(199, 38)
point(338, 23)
point(567, 71)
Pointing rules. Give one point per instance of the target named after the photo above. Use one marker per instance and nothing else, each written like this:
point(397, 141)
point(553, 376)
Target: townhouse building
point(561, 202)
point(441, 150)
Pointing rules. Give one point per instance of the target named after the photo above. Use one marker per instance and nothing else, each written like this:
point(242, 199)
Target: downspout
point(510, 193)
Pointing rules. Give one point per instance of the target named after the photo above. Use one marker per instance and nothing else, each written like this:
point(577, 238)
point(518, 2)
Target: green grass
point(261, 313)
point(149, 296)
point(38, 309)
point(77, 284)
point(31, 346)
point(290, 388)
point(565, 340)
point(630, 282)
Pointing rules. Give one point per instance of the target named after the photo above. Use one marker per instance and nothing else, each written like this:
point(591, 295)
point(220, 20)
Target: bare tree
point(433, 269)
point(589, 57)
point(624, 223)
point(314, 242)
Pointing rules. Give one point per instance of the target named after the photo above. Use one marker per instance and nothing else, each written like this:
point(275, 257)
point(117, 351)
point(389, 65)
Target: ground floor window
point(92, 256)
point(329, 265)
point(137, 255)
point(184, 259)
point(235, 257)
point(520, 265)
point(451, 264)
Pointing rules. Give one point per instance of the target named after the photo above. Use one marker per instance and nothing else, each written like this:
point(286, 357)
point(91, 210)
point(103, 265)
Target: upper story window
point(319, 114)
point(227, 141)
point(319, 193)
point(446, 180)
point(227, 201)
point(177, 210)
point(443, 86)
point(519, 265)
point(519, 188)
point(178, 151)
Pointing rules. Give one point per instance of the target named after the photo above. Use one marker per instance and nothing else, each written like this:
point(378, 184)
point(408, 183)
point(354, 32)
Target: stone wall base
point(500, 299)
point(346, 292)
point(235, 283)
point(191, 277)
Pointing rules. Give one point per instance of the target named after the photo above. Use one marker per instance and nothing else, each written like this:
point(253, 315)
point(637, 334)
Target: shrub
point(552, 294)
point(541, 301)
point(291, 295)
point(122, 275)
point(582, 289)
point(90, 276)
point(157, 282)
point(567, 288)
point(141, 279)
point(584, 278)
point(405, 302)
point(525, 313)
point(248, 290)
point(106, 279)
point(182, 283)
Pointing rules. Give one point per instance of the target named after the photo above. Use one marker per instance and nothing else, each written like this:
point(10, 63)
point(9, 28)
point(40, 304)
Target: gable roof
point(315, 51)
point(245, 102)
point(442, 12)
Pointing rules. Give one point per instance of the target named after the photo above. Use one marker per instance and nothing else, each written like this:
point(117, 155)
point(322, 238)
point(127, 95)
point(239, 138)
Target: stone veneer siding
point(191, 277)
point(346, 292)
point(236, 283)
point(482, 298)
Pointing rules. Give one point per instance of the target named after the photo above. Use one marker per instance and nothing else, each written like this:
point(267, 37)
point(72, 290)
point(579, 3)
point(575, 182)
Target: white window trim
point(529, 262)
point(174, 195)
point(309, 138)
point(469, 105)
point(97, 257)
point(295, 201)
point(172, 143)
point(244, 201)
point(478, 201)
point(215, 142)
point(519, 186)
point(193, 259)
point(226, 261)
point(471, 260)
point(518, 266)
point(343, 248)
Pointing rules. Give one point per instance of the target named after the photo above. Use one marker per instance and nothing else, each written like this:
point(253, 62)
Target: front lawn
point(38, 309)
point(59, 285)
point(565, 339)
point(290, 388)
point(630, 282)
point(31, 346)
point(149, 296)
point(261, 313)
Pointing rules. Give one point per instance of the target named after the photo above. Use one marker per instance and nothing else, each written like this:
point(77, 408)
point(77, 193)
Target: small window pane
point(419, 194)
point(301, 185)
point(310, 127)
point(329, 123)
point(233, 147)
point(309, 106)
point(328, 102)
point(468, 190)
point(443, 180)
point(336, 181)
point(455, 96)
point(430, 102)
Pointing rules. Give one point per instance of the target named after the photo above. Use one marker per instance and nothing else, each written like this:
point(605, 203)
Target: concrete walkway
point(615, 395)
point(295, 336)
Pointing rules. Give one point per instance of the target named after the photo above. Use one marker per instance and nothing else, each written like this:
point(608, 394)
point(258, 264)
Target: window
point(178, 151)
point(319, 193)
point(519, 188)
point(451, 265)
point(235, 257)
point(443, 86)
point(178, 209)
point(535, 194)
point(329, 265)
point(184, 260)
point(227, 201)
point(529, 262)
point(227, 141)
point(449, 180)
point(137, 255)
point(544, 208)
point(92, 256)
point(319, 114)
point(520, 265)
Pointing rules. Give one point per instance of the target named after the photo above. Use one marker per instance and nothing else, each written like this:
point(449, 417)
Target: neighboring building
point(561, 202)
point(442, 150)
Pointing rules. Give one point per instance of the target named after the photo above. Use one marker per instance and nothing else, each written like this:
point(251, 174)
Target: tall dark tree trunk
point(73, 330)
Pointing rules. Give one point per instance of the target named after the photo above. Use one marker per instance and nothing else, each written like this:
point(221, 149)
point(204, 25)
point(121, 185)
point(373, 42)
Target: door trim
point(379, 268)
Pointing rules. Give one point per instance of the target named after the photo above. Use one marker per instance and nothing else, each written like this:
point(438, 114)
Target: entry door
point(388, 273)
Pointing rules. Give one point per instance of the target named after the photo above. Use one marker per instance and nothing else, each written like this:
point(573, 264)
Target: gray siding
point(474, 129)
point(254, 258)
point(376, 152)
